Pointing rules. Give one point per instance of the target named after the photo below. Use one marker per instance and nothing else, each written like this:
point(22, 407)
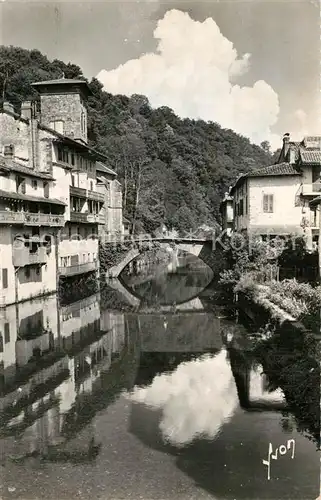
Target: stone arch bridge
point(204, 249)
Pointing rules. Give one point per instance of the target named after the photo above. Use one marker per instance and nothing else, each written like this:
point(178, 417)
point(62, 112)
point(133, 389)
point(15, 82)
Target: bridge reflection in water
point(60, 365)
point(182, 366)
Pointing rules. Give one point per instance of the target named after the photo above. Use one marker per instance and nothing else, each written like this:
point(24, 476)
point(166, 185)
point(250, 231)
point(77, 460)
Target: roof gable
point(310, 157)
point(274, 170)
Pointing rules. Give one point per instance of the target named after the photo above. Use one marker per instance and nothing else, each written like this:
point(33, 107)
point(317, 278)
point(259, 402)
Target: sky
point(252, 66)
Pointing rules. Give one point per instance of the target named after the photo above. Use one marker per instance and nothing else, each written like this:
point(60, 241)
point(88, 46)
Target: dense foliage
point(292, 362)
point(173, 170)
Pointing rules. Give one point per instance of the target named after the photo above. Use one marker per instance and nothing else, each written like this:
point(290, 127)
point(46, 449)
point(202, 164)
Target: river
point(150, 389)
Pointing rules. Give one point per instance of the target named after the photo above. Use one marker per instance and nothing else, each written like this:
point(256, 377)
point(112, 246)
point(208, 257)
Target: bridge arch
point(200, 248)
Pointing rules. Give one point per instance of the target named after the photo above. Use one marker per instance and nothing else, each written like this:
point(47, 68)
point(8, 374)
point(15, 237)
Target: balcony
point(311, 189)
point(22, 257)
point(94, 195)
point(31, 219)
point(86, 218)
point(77, 191)
point(86, 193)
point(87, 267)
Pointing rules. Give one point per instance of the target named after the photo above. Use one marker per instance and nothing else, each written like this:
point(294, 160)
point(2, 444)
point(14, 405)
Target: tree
point(172, 170)
point(266, 146)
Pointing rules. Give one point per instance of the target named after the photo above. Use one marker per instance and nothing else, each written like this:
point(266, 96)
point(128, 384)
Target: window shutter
point(265, 203)
point(5, 278)
point(6, 333)
point(271, 203)
point(46, 189)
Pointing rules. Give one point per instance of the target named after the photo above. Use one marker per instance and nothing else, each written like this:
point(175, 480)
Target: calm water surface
point(149, 389)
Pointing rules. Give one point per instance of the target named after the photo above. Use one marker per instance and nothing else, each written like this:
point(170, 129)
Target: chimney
point(8, 151)
point(286, 145)
point(26, 110)
point(7, 106)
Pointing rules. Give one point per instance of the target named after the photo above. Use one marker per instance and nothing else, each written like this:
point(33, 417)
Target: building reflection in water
point(56, 362)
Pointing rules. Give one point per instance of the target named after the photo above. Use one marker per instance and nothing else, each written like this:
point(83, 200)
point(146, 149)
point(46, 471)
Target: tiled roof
point(278, 169)
point(24, 197)
point(59, 81)
point(271, 170)
point(103, 168)
point(12, 166)
point(310, 156)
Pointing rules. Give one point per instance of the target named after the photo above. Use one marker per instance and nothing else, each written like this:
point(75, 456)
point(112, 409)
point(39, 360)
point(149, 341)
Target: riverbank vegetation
point(174, 171)
point(291, 361)
point(255, 274)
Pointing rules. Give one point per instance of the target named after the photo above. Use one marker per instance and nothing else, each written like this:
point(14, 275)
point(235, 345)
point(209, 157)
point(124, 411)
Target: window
point(72, 158)
point(6, 333)
point(65, 156)
point(46, 189)
point(72, 180)
point(91, 186)
point(245, 205)
point(4, 278)
point(34, 247)
point(241, 206)
point(20, 185)
point(26, 238)
point(58, 126)
point(268, 203)
point(34, 184)
point(60, 154)
point(27, 272)
point(316, 174)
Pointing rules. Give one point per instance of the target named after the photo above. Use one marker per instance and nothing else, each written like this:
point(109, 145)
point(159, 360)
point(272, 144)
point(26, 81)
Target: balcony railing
point(31, 219)
point(78, 269)
point(311, 189)
point(94, 195)
point(22, 257)
point(86, 217)
point(86, 193)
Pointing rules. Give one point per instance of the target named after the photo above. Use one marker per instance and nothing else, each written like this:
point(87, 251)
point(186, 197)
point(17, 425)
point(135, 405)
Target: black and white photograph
point(160, 249)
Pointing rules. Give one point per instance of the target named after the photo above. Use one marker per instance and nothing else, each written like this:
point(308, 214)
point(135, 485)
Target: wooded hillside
point(173, 170)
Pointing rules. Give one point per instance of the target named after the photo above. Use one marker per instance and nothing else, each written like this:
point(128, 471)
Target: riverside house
point(275, 200)
point(51, 206)
point(227, 213)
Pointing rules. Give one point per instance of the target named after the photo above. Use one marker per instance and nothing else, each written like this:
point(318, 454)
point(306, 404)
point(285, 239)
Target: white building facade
point(51, 207)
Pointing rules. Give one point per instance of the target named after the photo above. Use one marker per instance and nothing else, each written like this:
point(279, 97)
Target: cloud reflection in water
point(196, 399)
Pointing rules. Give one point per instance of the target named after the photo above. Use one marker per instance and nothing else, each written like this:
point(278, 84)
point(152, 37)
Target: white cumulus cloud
point(193, 71)
point(197, 399)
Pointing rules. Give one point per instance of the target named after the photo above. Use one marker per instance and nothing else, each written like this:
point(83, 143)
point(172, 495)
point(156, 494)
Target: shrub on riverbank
point(291, 362)
point(253, 274)
point(300, 300)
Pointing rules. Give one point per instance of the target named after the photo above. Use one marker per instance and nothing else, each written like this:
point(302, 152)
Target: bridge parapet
point(115, 255)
